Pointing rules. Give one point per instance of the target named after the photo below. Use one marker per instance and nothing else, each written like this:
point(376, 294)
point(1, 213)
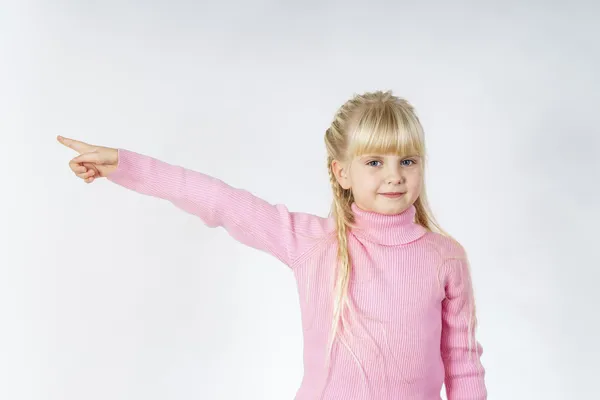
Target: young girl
point(386, 296)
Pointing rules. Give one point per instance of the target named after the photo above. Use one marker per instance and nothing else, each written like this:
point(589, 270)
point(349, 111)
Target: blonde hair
point(369, 123)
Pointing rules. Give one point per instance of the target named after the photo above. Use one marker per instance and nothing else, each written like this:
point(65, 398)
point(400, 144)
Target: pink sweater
point(416, 330)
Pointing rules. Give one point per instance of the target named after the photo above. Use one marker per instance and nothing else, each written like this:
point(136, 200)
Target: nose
point(395, 176)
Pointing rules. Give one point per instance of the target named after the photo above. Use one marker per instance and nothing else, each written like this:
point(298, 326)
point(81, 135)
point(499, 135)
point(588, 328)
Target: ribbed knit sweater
point(410, 286)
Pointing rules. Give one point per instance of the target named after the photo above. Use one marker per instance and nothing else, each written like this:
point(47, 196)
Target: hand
point(93, 161)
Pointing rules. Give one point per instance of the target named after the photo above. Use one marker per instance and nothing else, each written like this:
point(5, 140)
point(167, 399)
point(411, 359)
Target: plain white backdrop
point(107, 294)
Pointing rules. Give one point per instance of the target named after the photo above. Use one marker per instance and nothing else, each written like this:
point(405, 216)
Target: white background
point(107, 294)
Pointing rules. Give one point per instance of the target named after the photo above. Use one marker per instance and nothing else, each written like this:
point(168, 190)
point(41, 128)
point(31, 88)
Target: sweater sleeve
point(461, 352)
point(247, 218)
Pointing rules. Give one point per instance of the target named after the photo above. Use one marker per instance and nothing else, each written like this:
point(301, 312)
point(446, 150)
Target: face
point(373, 177)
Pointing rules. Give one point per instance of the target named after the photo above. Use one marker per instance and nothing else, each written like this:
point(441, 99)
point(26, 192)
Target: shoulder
point(445, 246)
point(313, 226)
point(449, 255)
point(314, 232)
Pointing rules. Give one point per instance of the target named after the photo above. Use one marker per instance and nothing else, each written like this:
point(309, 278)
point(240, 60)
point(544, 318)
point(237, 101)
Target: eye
point(412, 161)
point(373, 161)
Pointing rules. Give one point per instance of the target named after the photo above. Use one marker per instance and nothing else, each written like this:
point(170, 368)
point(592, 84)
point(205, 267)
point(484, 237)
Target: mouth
point(393, 195)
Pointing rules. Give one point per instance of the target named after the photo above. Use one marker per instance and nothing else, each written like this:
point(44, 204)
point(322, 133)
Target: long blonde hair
point(374, 123)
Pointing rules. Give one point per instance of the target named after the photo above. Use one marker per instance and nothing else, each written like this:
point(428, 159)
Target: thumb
point(92, 157)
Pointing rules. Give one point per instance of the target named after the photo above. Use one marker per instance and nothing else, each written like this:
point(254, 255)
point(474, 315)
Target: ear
point(340, 171)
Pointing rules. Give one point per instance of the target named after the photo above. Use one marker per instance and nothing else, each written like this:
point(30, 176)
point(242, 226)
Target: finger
point(77, 168)
point(89, 180)
point(89, 173)
point(78, 146)
point(92, 157)
point(91, 166)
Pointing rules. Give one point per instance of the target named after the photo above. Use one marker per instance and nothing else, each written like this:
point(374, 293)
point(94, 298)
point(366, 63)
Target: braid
point(342, 213)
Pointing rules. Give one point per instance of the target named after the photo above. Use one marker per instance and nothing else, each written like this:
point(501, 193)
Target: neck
point(389, 230)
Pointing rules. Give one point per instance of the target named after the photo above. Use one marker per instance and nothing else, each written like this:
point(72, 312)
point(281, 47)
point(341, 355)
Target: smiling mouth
point(393, 194)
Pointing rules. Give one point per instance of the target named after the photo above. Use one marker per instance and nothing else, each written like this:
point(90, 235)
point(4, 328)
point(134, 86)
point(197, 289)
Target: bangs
point(385, 129)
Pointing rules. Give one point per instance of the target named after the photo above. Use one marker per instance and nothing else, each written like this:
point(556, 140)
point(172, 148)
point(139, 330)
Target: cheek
point(372, 182)
point(366, 185)
point(416, 189)
point(364, 179)
point(415, 182)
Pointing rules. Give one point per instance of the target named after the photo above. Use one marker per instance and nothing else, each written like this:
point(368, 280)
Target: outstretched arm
point(246, 217)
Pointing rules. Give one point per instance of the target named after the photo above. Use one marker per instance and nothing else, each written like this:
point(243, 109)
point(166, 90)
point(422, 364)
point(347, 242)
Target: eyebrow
point(380, 156)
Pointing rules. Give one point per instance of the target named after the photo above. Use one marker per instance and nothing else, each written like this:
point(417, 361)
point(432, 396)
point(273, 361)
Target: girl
point(386, 296)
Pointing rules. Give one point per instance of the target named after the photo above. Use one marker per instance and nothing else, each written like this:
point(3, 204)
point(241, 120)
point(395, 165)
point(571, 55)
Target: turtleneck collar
point(386, 229)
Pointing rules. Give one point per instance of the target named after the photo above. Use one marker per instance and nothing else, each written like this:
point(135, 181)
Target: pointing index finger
point(78, 146)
